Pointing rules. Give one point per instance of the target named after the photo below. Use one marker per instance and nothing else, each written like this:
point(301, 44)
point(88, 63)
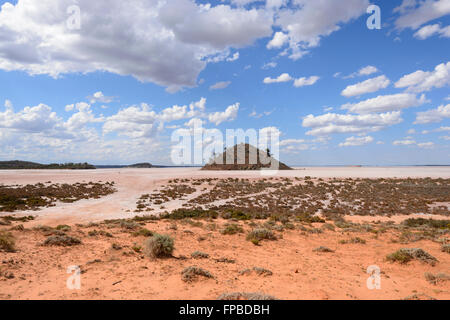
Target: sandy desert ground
point(113, 265)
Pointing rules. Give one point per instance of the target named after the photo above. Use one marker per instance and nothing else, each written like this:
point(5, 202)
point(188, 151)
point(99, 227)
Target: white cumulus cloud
point(220, 85)
point(228, 115)
point(368, 86)
point(285, 77)
point(356, 141)
point(385, 103)
point(165, 42)
point(301, 82)
point(331, 123)
point(434, 115)
point(421, 81)
point(414, 13)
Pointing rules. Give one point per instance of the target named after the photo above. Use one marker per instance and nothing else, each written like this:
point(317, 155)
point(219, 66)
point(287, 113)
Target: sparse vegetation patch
point(34, 197)
point(405, 255)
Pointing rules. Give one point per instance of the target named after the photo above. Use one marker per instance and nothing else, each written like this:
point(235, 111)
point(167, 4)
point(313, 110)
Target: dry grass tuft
point(192, 273)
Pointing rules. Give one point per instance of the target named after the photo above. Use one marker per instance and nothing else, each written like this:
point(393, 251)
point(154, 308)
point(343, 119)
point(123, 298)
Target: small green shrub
point(143, 232)
point(145, 218)
point(7, 242)
point(306, 217)
point(259, 234)
point(130, 225)
point(136, 248)
point(64, 228)
point(236, 214)
point(183, 213)
point(159, 246)
point(438, 224)
point(405, 255)
point(289, 226)
point(231, 228)
point(445, 248)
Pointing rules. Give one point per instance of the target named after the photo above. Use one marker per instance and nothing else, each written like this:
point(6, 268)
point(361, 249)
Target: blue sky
point(345, 94)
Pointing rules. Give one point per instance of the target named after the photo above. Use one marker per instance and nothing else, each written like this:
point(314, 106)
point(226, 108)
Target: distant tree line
point(10, 165)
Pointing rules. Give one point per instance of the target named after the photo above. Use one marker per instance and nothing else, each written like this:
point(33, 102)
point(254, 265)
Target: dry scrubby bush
point(231, 228)
point(192, 273)
point(63, 227)
point(130, 225)
point(405, 255)
point(436, 278)
point(199, 255)
point(354, 240)
point(143, 232)
point(7, 242)
point(419, 296)
point(159, 246)
point(328, 226)
point(7, 220)
point(116, 246)
point(94, 233)
point(259, 234)
point(245, 296)
point(259, 271)
point(445, 248)
point(61, 240)
point(225, 260)
point(438, 224)
point(322, 249)
point(182, 213)
point(19, 227)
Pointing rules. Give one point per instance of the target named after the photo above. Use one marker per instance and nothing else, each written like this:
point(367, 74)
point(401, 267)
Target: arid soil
point(114, 263)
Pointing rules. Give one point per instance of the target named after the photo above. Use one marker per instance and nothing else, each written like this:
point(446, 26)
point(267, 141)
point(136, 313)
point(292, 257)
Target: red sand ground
point(298, 272)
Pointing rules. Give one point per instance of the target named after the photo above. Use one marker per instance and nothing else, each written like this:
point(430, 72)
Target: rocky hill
point(243, 160)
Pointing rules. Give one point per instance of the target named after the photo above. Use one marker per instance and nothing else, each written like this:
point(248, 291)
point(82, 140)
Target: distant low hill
point(243, 160)
point(144, 165)
point(20, 165)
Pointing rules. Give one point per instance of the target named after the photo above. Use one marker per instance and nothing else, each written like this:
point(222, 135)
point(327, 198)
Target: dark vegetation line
point(11, 165)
